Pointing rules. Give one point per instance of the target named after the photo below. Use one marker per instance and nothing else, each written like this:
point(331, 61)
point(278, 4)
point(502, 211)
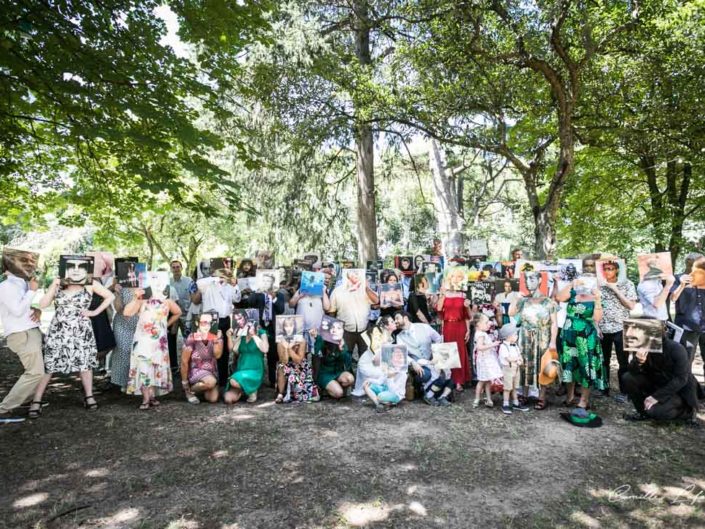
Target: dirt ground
point(338, 465)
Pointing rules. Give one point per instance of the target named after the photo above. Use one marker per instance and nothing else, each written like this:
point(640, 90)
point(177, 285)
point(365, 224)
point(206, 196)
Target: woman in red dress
point(453, 309)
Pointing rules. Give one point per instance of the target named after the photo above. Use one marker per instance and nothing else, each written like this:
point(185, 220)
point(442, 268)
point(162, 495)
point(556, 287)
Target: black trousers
point(272, 355)
point(223, 326)
point(690, 341)
point(352, 339)
point(171, 341)
point(608, 340)
point(639, 386)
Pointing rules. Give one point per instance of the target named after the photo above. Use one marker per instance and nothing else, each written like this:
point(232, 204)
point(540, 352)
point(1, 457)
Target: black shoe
point(443, 401)
point(431, 401)
point(635, 417)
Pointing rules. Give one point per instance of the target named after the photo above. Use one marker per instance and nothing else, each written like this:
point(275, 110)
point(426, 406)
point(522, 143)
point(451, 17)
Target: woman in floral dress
point(582, 360)
point(537, 314)
point(150, 373)
point(294, 374)
point(70, 343)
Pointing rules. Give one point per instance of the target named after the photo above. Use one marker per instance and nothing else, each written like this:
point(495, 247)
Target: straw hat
point(550, 367)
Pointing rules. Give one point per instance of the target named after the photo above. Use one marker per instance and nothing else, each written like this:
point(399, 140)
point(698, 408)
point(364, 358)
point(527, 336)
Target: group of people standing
point(520, 344)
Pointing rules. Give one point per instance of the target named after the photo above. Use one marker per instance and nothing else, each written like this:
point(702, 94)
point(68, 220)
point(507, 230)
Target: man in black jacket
point(661, 385)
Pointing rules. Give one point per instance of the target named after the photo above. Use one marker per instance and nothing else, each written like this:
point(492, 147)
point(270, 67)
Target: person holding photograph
point(689, 297)
point(391, 299)
point(312, 308)
point(618, 299)
point(219, 294)
point(390, 388)
point(353, 308)
point(294, 376)
point(452, 307)
point(537, 316)
point(418, 303)
point(368, 367)
point(660, 385)
point(581, 359)
point(199, 361)
point(333, 370)
point(150, 372)
point(70, 346)
point(251, 351)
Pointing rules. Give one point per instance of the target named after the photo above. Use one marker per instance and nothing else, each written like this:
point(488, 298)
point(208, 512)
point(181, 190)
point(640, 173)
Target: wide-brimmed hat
point(550, 367)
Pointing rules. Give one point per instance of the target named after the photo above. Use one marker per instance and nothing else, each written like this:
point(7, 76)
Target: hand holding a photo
point(649, 402)
point(139, 293)
point(641, 356)
point(686, 279)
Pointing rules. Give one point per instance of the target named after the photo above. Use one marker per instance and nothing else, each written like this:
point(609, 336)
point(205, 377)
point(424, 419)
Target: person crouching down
point(251, 349)
point(510, 360)
point(199, 360)
point(391, 388)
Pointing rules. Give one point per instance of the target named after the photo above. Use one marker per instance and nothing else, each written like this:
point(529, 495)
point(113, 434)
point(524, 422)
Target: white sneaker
point(252, 398)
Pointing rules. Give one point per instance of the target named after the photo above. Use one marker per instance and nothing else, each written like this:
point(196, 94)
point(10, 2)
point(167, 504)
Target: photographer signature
point(689, 495)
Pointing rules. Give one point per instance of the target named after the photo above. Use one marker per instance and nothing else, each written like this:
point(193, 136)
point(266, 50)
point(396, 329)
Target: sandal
point(459, 388)
point(89, 406)
point(279, 399)
point(154, 403)
point(144, 406)
point(192, 399)
point(541, 404)
point(35, 413)
point(571, 403)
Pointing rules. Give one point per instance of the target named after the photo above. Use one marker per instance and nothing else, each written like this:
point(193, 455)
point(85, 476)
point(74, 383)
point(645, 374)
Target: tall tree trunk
point(450, 221)
point(364, 144)
point(678, 198)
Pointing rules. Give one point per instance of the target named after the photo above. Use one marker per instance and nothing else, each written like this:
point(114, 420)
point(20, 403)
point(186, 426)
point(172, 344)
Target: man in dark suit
point(661, 385)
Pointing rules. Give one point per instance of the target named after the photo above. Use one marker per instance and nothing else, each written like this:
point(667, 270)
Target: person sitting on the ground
point(334, 366)
point(418, 337)
point(199, 360)
point(390, 388)
point(660, 385)
point(294, 376)
point(251, 350)
point(368, 367)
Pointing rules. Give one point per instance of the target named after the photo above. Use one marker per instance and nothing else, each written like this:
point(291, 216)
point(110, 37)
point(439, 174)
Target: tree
point(91, 101)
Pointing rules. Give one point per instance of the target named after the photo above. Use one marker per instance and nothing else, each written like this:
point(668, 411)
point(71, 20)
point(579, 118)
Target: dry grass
point(338, 465)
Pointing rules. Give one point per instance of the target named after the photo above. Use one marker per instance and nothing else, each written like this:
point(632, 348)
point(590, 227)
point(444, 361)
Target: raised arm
point(134, 306)
point(50, 294)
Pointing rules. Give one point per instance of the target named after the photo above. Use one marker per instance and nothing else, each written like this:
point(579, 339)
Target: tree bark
point(450, 220)
point(364, 144)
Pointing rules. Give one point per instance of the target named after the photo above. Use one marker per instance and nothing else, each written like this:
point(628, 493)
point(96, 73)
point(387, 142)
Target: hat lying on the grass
point(582, 417)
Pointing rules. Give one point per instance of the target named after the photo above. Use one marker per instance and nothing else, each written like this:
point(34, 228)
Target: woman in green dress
point(251, 350)
point(582, 358)
point(333, 367)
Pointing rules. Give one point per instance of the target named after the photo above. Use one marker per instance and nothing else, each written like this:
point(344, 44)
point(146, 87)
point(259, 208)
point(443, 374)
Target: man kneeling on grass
point(418, 337)
point(659, 381)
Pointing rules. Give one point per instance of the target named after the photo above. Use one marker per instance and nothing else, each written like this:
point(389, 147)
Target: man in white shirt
point(353, 308)
point(21, 325)
point(219, 294)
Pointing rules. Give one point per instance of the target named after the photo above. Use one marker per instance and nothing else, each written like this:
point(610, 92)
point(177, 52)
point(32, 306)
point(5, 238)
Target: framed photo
point(431, 267)
point(643, 335)
point(76, 269)
point(394, 358)
point(506, 286)
point(481, 292)
point(347, 263)
point(586, 284)
point(405, 263)
point(570, 268)
point(158, 282)
point(313, 258)
point(619, 263)
point(353, 279)
point(674, 332)
point(253, 315)
point(142, 277)
point(390, 296)
point(652, 265)
point(247, 283)
point(331, 329)
point(375, 265)
point(267, 280)
point(239, 320)
point(302, 265)
point(21, 263)
point(523, 265)
point(196, 319)
point(527, 279)
point(264, 259)
point(420, 262)
point(224, 265)
point(477, 248)
point(434, 282)
point(203, 269)
point(289, 328)
point(372, 279)
point(127, 273)
point(312, 284)
point(445, 355)
point(103, 264)
point(455, 278)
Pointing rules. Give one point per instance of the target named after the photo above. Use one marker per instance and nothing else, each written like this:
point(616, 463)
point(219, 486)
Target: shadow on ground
point(331, 465)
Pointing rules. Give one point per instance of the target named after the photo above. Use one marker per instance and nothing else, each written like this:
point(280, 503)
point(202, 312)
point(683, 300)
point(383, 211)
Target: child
point(486, 362)
point(510, 360)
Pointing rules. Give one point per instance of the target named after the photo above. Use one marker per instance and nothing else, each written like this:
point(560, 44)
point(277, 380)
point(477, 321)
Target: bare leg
point(584, 398)
point(478, 390)
point(335, 390)
point(281, 384)
point(570, 391)
point(370, 393)
point(212, 395)
point(36, 409)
